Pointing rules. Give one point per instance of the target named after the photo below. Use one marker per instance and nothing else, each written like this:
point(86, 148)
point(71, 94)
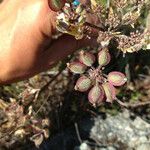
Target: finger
point(58, 50)
point(62, 47)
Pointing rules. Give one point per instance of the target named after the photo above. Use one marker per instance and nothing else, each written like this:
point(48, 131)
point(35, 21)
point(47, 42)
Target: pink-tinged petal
point(83, 84)
point(56, 5)
point(110, 92)
point(76, 67)
point(96, 95)
point(87, 58)
point(104, 57)
point(117, 78)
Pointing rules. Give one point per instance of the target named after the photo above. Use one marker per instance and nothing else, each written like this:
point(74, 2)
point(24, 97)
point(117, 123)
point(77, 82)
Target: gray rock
point(83, 146)
point(145, 146)
point(118, 132)
point(121, 129)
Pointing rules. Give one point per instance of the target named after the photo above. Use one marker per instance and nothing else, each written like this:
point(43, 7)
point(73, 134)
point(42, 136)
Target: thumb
point(62, 47)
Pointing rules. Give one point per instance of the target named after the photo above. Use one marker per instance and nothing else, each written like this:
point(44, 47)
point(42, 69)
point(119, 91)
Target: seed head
point(83, 84)
point(76, 67)
point(103, 57)
point(96, 95)
point(116, 78)
point(110, 92)
point(87, 58)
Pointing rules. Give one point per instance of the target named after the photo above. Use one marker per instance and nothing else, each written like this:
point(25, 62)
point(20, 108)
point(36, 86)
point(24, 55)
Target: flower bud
point(87, 58)
point(96, 95)
point(76, 67)
point(103, 57)
point(56, 5)
point(110, 91)
point(116, 78)
point(83, 84)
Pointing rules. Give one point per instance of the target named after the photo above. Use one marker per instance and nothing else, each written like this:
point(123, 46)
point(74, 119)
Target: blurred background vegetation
point(52, 94)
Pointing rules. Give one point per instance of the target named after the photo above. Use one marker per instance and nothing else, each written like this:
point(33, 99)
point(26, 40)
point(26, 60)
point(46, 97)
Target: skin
point(26, 45)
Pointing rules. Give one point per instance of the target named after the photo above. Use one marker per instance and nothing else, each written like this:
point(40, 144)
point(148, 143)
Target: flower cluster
point(131, 43)
point(119, 26)
point(100, 86)
point(113, 19)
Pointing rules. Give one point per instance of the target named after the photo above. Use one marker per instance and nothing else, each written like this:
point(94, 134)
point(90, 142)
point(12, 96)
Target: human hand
point(26, 45)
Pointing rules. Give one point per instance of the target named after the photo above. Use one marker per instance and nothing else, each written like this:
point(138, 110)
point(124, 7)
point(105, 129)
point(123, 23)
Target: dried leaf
point(37, 139)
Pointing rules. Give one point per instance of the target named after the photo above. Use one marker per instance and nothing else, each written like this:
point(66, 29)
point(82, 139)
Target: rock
point(83, 146)
point(120, 132)
point(111, 148)
point(143, 139)
point(145, 146)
